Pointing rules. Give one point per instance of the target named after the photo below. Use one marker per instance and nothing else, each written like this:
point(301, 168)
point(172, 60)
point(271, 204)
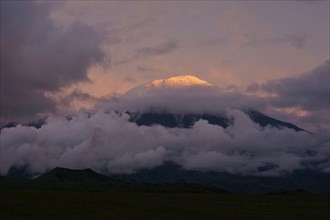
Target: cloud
point(37, 57)
point(129, 79)
point(191, 99)
point(68, 101)
point(297, 40)
point(146, 69)
point(212, 42)
point(109, 143)
point(164, 48)
point(308, 92)
point(150, 51)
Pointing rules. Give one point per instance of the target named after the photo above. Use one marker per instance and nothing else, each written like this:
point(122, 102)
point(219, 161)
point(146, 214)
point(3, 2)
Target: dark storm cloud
point(309, 91)
point(297, 40)
point(37, 57)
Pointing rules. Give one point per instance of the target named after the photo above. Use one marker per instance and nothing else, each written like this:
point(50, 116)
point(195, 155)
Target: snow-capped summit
point(178, 81)
point(173, 82)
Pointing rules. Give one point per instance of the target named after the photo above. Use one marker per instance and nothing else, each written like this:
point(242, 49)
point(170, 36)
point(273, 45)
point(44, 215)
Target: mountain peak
point(178, 81)
point(182, 81)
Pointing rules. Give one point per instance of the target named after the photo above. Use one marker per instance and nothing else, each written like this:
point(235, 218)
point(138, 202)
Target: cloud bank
point(192, 99)
point(109, 143)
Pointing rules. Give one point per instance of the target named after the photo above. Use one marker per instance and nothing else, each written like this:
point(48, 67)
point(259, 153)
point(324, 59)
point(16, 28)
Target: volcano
point(175, 112)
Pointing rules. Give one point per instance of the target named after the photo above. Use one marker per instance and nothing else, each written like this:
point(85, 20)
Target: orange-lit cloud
point(292, 110)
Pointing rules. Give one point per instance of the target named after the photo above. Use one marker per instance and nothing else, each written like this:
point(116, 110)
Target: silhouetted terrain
point(85, 194)
point(307, 180)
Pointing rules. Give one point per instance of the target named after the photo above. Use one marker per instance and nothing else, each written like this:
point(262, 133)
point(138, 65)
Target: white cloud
point(111, 144)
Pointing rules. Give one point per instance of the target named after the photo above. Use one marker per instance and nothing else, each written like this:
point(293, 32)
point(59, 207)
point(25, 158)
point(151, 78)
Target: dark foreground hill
point(89, 180)
point(173, 174)
point(306, 180)
point(70, 175)
point(64, 199)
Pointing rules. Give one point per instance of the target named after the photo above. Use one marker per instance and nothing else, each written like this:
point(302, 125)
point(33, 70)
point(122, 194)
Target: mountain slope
point(264, 120)
point(177, 120)
point(188, 120)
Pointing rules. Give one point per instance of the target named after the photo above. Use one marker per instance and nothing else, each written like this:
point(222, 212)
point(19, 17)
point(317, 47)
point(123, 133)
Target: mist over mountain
point(183, 120)
point(183, 100)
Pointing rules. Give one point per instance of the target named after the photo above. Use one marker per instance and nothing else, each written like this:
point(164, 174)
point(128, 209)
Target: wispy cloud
point(161, 49)
point(297, 40)
point(150, 51)
point(212, 42)
point(145, 69)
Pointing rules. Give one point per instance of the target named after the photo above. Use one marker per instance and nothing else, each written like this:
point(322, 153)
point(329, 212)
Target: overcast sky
point(59, 56)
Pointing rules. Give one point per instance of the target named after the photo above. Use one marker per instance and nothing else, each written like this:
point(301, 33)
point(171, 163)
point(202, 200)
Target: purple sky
point(61, 56)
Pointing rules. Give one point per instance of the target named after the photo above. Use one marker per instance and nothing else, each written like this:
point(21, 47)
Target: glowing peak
point(178, 81)
point(173, 82)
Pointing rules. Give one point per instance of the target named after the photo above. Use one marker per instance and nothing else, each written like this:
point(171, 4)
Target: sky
point(67, 57)
point(59, 56)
